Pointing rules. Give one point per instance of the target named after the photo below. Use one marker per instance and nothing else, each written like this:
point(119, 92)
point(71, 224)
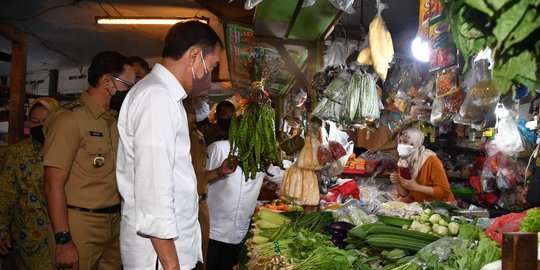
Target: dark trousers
point(533, 196)
point(221, 256)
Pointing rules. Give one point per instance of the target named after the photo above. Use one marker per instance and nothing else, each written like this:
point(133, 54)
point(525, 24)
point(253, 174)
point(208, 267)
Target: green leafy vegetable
point(509, 27)
point(531, 222)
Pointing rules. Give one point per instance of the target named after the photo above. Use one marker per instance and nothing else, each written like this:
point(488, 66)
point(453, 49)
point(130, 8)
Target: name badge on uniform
point(96, 134)
point(99, 161)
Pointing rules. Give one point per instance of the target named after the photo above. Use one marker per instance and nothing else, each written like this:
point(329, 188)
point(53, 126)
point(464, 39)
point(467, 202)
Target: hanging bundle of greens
point(252, 136)
point(509, 27)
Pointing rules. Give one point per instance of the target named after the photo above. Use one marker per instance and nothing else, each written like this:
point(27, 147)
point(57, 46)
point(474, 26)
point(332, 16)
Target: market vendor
point(428, 178)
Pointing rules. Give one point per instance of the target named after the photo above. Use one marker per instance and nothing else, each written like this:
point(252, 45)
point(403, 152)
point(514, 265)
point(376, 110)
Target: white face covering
point(203, 111)
point(405, 150)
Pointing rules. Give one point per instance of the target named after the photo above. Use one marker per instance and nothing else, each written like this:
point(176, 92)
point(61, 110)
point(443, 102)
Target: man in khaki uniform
point(80, 180)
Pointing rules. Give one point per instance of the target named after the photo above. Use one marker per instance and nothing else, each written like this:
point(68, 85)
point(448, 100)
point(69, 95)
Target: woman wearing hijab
point(428, 178)
point(24, 223)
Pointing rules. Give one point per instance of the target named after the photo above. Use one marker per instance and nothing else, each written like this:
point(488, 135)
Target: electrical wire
point(51, 47)
point(74, 3)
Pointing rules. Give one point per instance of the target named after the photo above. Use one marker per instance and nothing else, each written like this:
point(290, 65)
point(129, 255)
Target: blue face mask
point(203, 111)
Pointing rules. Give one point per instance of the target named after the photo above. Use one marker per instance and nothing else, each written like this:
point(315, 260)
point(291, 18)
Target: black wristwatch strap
point(62, 238)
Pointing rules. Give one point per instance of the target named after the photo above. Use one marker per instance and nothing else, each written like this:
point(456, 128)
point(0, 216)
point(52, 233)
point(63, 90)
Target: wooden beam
point(294, 17)
point(301, 80)
point(19, 43)
point(274, 41)
point(12, 34)
point(332, 25)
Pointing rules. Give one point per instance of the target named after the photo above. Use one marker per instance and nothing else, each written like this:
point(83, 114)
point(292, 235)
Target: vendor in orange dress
point(428, 178)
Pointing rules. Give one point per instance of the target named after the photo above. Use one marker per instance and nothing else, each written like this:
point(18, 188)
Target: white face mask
point(405, 150)
point(203, 111)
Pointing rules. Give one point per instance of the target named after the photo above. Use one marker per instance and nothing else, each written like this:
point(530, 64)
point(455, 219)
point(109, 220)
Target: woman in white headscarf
point(428, 178)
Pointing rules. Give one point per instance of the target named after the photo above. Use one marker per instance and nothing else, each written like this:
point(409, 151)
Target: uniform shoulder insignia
point(74, 105)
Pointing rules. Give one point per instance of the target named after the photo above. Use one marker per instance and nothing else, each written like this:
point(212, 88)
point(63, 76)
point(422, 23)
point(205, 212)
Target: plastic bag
point(251, 4)
point(336, 90)
point(436, 112)
point(324, 154)
point(345, 5)
point(308, 3)
point(335, 55)
point(307, 159)
point(446, 82)
point(453, 102)
point(488, 180)
point(354, 211)
point(503, 224)
point(482, 97)
point(301, 186)
point(508, 139)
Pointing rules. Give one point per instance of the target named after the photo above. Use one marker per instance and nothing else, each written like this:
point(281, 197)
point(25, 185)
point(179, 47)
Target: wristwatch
point(62, 238)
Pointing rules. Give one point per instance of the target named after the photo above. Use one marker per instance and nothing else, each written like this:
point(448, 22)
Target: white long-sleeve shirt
point(232, 199)
point(155, 175)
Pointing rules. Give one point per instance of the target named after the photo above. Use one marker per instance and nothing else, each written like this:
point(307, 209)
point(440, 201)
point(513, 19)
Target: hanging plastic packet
point(446, 82)
point(482, 97)
point(251, 4)
point(308, 3)
point(335, 55)
point(436, 112)
point(345, 5)
point(453, 102)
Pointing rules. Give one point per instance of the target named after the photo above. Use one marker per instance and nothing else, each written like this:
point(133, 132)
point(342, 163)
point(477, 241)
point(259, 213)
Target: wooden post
point(19, 43)
point(17, 92)
point(519, 251)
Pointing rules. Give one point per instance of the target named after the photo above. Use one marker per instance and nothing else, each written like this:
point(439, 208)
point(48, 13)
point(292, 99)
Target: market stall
point(339, 207)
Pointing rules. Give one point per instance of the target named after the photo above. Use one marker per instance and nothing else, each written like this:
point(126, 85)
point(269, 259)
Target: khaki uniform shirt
point(198, 156)
point(82, 138)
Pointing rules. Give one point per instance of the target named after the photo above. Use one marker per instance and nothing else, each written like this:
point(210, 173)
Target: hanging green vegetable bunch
point(252, 136)
point(509, 28)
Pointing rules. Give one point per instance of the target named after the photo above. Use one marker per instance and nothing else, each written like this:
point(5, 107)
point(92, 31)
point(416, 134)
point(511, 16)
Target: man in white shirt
point(231, 199)
point(159, 226)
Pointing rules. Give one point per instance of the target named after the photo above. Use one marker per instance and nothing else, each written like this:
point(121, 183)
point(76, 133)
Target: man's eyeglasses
point(129, 85)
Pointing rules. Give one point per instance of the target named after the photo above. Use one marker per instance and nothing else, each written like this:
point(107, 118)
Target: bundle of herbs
point(253, 136)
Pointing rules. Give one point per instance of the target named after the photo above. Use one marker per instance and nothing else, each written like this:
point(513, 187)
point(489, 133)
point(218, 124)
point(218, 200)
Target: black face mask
point(224, 123)
point(117, 99)
point(37, 133)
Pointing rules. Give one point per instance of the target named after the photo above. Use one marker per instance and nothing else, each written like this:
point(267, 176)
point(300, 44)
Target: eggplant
point(342, 226)
point(338, 228)
point(339, 241)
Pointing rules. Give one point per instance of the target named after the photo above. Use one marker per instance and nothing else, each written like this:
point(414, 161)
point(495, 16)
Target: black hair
point(142, 62)
point(222, 106)
point(182, 36)
point(106, 62)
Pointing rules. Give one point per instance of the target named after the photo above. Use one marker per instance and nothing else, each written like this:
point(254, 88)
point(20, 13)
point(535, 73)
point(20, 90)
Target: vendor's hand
point(228, 166)
point(395, 178)
point(5, 243)
point(410, 185)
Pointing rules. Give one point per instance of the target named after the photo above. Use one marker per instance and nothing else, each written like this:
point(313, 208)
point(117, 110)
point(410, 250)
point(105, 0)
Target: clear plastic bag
point(437, 112)
point(508, 139)
point(345, 5)
point(251, 4)
point(488, 180)
point(308, 3)
point(482, 97)
point(307, 159)
point(335, 55)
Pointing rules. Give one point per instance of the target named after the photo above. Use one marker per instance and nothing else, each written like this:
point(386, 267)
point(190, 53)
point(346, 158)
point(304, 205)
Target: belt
point(106, 210)
point(202, 197)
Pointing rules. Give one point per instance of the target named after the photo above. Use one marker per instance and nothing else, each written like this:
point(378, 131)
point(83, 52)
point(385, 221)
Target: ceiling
point(63, 34)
